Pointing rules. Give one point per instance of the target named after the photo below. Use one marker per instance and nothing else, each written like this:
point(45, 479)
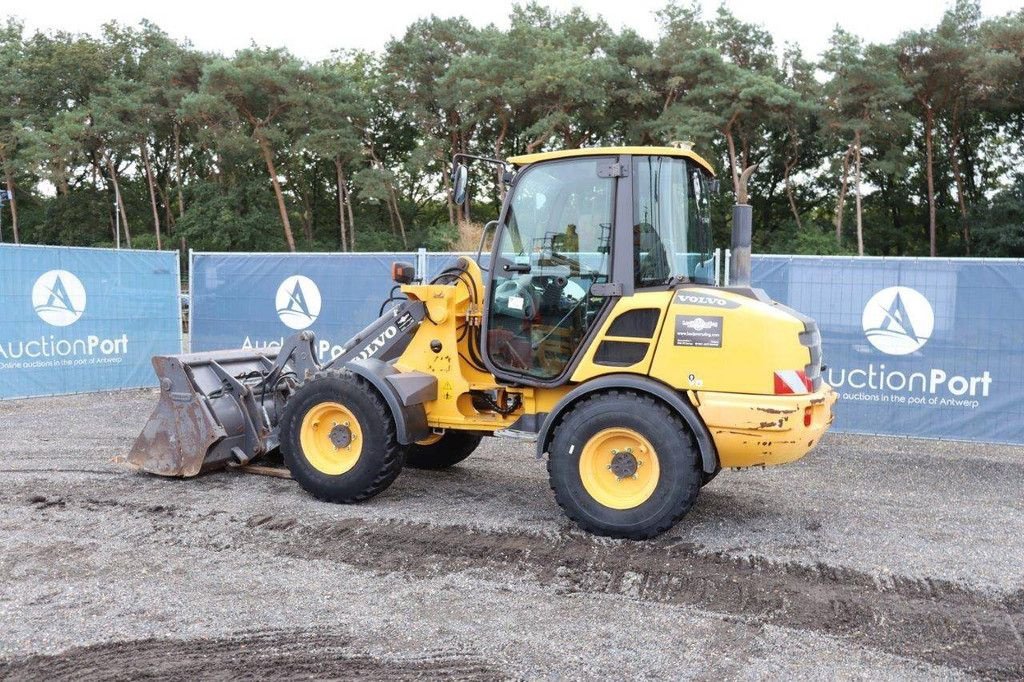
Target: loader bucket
point(215, 409)
point(222, 408)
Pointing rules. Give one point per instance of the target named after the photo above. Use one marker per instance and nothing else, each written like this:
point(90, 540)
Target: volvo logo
point(898, 320)
point(298, 302)
point(58, 298)
point(376, 344)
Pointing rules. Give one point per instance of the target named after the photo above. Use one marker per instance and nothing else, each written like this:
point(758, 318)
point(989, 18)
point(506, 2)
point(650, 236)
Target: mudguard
point(404, 393)
point(635, 382)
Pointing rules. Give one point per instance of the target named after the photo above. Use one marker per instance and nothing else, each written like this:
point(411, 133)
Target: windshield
point(671, 222)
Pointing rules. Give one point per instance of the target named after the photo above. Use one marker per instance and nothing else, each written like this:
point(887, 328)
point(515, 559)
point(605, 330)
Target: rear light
point(792, 381)
point(808, 411)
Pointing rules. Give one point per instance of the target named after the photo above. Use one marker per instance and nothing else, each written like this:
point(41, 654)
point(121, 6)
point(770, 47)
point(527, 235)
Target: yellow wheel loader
point(595, 330)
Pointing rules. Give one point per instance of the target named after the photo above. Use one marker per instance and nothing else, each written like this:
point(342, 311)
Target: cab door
point(551, 266)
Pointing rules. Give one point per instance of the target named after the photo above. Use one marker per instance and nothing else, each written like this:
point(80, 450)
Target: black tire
point(452, 448)
point(678, 456)
point(380, 458)
point(707, 478)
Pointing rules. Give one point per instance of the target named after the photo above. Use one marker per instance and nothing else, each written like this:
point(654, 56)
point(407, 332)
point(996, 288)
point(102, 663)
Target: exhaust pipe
point(742, 228)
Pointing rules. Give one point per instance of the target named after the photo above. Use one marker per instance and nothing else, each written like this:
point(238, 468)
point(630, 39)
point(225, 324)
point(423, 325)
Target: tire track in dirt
point(934, 621)
point(277, 654)
point(929, 620)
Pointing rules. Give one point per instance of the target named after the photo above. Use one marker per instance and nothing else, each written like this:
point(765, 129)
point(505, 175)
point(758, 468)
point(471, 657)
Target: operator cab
point(579, 229)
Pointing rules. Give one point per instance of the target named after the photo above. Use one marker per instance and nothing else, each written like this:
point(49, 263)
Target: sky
point(313, 29)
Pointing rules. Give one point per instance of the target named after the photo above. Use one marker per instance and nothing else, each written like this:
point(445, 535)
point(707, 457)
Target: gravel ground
point(871, 558)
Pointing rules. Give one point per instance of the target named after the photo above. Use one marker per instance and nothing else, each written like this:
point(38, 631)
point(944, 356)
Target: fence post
point(177, 290)
point(421, 263)
point(728, 257)
point(717, 261)
point(191, 301)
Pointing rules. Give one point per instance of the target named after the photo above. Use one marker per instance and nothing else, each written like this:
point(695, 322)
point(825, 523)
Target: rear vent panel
point(620, 353)
point(636, 324)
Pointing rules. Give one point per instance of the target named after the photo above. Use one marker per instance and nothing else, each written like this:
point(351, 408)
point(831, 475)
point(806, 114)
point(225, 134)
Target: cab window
point(554, 248)
point(671, 230)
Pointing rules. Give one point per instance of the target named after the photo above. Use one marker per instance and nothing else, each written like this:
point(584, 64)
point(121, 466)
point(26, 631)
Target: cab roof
point(683, 152)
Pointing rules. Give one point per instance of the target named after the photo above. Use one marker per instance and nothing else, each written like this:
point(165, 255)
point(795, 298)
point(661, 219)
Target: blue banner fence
point(76, 320)
point(921, 347)
point(929, 348)
point(924, 347)
point(256, 300)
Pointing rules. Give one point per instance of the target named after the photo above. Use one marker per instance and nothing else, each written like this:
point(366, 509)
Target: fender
point(411, 419)
point(642, 384)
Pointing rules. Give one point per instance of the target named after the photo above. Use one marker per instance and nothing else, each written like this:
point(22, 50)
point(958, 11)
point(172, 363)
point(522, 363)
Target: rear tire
point(338, 438)
point(624, 465)
point(449, 450)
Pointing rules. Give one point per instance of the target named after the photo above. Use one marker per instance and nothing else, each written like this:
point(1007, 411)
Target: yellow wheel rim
point(619, 468)
point(331, 438)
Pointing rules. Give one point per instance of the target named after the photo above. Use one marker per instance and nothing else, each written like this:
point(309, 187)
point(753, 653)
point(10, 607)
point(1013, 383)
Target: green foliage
point(999, 227)
point(884, 148)
point(813, 238)
point(440, 237)
point(235, 217)
point(78, 219)
point(380, 241)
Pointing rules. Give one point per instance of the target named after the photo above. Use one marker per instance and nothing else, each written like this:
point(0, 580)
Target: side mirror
point(715, 186)
point(459, 179)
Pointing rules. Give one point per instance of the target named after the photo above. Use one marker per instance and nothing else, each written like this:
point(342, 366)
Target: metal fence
point(79, 319)
point(918, 347)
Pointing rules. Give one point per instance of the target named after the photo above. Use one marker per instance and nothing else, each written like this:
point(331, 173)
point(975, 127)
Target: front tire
point(624, 465)
point(338, 438)
point(442, 452)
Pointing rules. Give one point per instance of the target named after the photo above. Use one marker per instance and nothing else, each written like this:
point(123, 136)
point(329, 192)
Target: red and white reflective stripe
point(789, 381)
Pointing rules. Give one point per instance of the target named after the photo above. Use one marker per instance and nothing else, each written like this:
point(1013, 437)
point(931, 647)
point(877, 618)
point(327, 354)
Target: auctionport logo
point(58, 298)
point(298, 302)
point(898, 320)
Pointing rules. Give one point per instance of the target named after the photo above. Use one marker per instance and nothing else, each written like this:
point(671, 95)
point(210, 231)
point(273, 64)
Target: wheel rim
point(619, 468)
point(331, 438)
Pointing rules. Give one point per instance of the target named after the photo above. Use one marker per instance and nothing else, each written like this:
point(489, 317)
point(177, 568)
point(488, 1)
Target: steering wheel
point(515, 299)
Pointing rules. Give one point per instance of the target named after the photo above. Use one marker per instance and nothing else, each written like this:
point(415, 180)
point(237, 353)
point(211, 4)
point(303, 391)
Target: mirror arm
point(486, 159)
